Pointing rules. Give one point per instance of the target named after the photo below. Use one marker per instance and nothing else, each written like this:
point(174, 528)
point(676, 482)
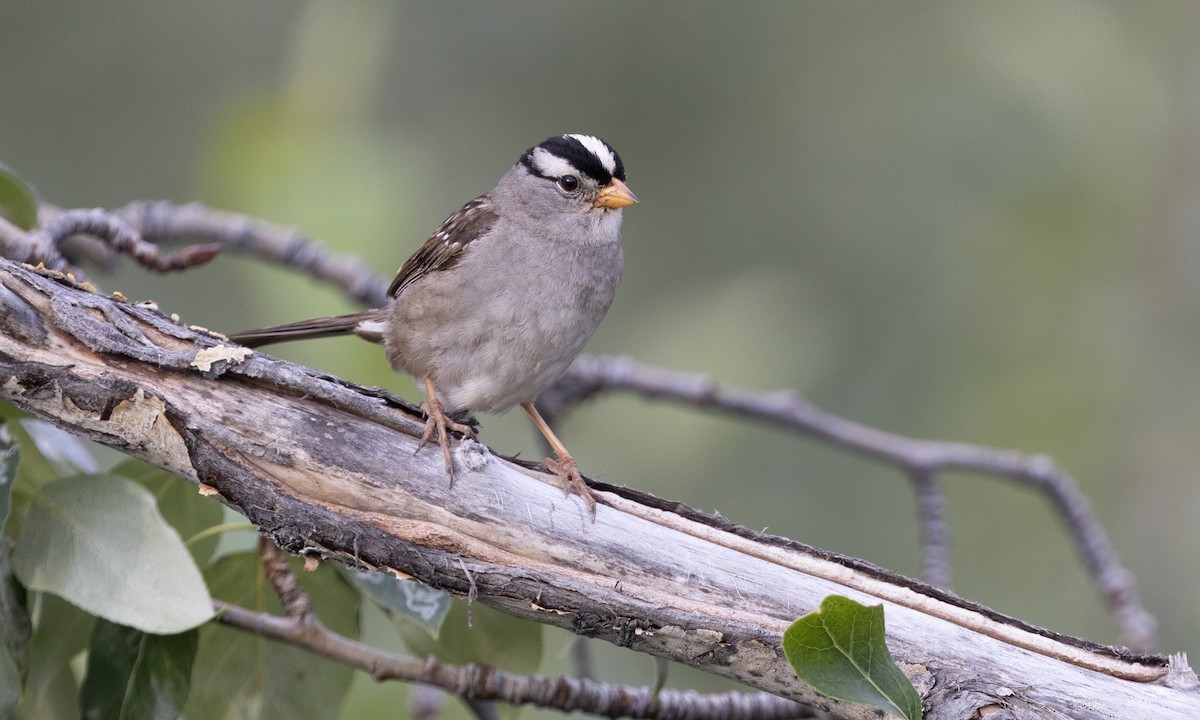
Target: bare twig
point(15, 243)
point(581, 653)
point(115, 233)
point(482, 682)
point(935, 530)
point(164, 222)
point(591, 375)
point(283, 580)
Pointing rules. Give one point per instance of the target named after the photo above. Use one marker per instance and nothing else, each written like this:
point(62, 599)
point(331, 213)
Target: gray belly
point(499, 342)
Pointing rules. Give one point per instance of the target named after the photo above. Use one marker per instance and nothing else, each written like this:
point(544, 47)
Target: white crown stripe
point(550, 165)
point(597, 147)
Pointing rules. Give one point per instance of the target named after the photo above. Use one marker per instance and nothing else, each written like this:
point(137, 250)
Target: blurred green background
point(957, 221)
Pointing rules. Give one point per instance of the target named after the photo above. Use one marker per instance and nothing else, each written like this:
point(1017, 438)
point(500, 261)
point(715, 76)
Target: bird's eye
point(568, 183)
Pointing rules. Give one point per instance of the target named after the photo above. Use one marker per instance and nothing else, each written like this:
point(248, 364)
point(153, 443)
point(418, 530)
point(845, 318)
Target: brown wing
point(444, 247)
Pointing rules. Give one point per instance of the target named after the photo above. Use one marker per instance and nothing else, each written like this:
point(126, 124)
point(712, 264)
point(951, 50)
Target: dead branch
point(326, 469)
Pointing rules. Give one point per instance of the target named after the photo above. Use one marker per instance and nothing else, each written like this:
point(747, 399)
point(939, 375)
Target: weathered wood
point(328, 468)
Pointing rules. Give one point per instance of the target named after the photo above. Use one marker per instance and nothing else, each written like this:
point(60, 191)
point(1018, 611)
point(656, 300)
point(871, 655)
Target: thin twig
point(15, 243)
point(166, 223)
point(581, 654)
point(482, 682)
point(590, 375)
point(283, 580)
point(115, 233)
point(935, 529)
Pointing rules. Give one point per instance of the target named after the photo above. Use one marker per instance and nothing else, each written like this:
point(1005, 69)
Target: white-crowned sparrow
point(491, 310)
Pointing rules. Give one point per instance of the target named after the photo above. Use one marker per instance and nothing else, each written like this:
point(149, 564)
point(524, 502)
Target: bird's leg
point(565, 466)
point(437, 421)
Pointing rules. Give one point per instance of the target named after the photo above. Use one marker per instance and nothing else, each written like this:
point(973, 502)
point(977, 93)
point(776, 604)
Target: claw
point(437, 422)
point(566, 468)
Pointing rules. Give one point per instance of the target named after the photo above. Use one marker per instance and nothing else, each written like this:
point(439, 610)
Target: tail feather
point(316, 328)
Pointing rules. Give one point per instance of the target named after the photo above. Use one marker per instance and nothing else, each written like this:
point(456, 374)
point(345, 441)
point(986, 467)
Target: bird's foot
point(566, 468)
point(439, 423)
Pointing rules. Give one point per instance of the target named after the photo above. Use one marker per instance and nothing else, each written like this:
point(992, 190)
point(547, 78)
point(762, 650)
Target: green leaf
point(180, 503)
point(47, 454)
point(99, 542)
point(242, 675)
point(66, 453)
point(60, 633)
point(507, 642)
point(132, 675)
point(840, 650)
point(10, 458)
point(18, 202)
point(425, 606)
